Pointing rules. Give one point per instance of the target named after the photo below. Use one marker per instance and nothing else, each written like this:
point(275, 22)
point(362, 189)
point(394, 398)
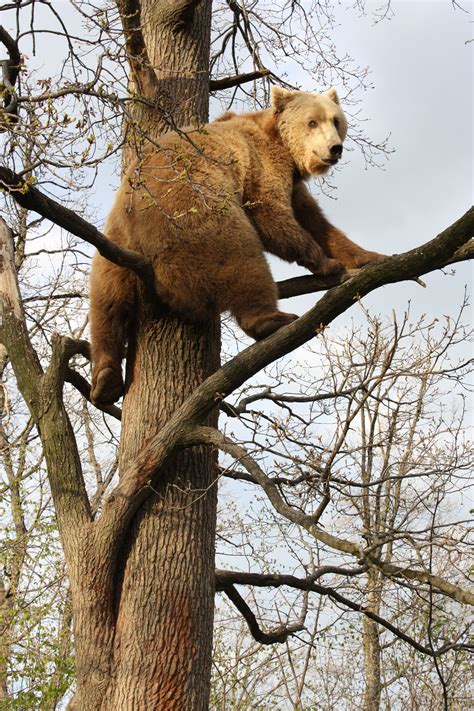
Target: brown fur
point(204, 210)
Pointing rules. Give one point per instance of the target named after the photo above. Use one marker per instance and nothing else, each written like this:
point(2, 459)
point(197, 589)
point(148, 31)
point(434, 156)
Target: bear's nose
point(336, 150)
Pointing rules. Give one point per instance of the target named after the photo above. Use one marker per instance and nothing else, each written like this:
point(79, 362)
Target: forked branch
point(280, 634)
point(228, 577)
point(238, 80)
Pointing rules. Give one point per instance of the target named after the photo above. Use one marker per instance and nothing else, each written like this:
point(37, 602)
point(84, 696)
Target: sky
point(422, 75)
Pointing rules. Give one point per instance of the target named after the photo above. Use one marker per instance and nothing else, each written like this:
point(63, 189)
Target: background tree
point(140, 563)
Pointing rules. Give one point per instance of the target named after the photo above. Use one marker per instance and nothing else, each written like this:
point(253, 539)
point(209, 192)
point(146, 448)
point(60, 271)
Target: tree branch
point(31, 198)
point(273, 580)
point(10, 71)
point(83, 386)
point(463, 254)
point(297, 286)
point(307, 584)
point(280, 634)
point(228, 82)
point(42, 393)
point(72, 347)
point(13, 331)
point(136, 481)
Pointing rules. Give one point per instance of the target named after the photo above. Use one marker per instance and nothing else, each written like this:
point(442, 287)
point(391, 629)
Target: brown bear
point(204, 205)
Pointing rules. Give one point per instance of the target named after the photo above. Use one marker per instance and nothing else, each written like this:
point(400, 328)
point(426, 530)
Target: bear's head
point(312, 127)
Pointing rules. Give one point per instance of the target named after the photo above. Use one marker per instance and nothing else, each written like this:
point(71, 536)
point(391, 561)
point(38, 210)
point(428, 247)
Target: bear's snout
point(336, 151)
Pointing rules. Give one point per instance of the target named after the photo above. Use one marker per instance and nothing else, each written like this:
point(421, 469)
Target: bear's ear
point(332, 94)
point(281, 97)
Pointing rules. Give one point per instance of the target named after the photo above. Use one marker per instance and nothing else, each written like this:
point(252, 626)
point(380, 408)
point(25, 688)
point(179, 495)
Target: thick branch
point(32, 199)
point(43, 396)
point(228, 82)
point(273, 580)
point(77, 381)
point(297, 286)
point(13, 331)
point(134, 486)
point(463, 254)
point(70, 348)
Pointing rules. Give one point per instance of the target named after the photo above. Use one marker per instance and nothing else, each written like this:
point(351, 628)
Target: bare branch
point(297, 286)
point(273, 580)
point(228, 82)
point(13, 329)
point(77, 381)
point(31, 198)
point(266, 394)
point(337, 597)
point(72, 347)
point(464, 253)
point(43, 394)
point(134, 486)
point(280, 634)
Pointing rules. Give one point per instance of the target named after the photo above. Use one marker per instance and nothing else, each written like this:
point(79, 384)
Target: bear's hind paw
point(266, 325)
point(107, 387)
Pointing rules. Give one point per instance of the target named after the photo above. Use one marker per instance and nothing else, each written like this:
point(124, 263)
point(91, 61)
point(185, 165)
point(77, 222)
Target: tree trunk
point(166, 592)
point(371, 646)
point(165, 585)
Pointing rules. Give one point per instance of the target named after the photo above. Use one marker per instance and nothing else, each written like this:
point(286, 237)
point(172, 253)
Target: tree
point(141, 562)
point(394, 483)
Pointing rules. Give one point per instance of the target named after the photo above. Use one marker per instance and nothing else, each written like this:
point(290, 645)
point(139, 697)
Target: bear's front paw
point(362, 260)
point(107, 387)
point(328, 267)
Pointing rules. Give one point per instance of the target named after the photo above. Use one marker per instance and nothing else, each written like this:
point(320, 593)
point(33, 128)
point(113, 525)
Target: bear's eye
point(312, 124)
point(337, 123)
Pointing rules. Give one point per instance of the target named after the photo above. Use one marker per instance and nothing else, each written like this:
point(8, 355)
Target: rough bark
point(164, 594)
point(162, 650)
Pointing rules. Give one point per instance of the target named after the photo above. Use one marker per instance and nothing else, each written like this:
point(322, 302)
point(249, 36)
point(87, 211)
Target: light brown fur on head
point(311, 125)
point(204, 212)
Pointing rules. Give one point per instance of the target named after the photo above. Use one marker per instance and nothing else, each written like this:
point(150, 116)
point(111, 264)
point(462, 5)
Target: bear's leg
point(259, 326)
point(282, 235)
point(253, 299)
point(112, 298)
point(334, 242)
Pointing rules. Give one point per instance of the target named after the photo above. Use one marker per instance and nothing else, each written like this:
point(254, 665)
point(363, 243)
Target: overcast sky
point(422, 75)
